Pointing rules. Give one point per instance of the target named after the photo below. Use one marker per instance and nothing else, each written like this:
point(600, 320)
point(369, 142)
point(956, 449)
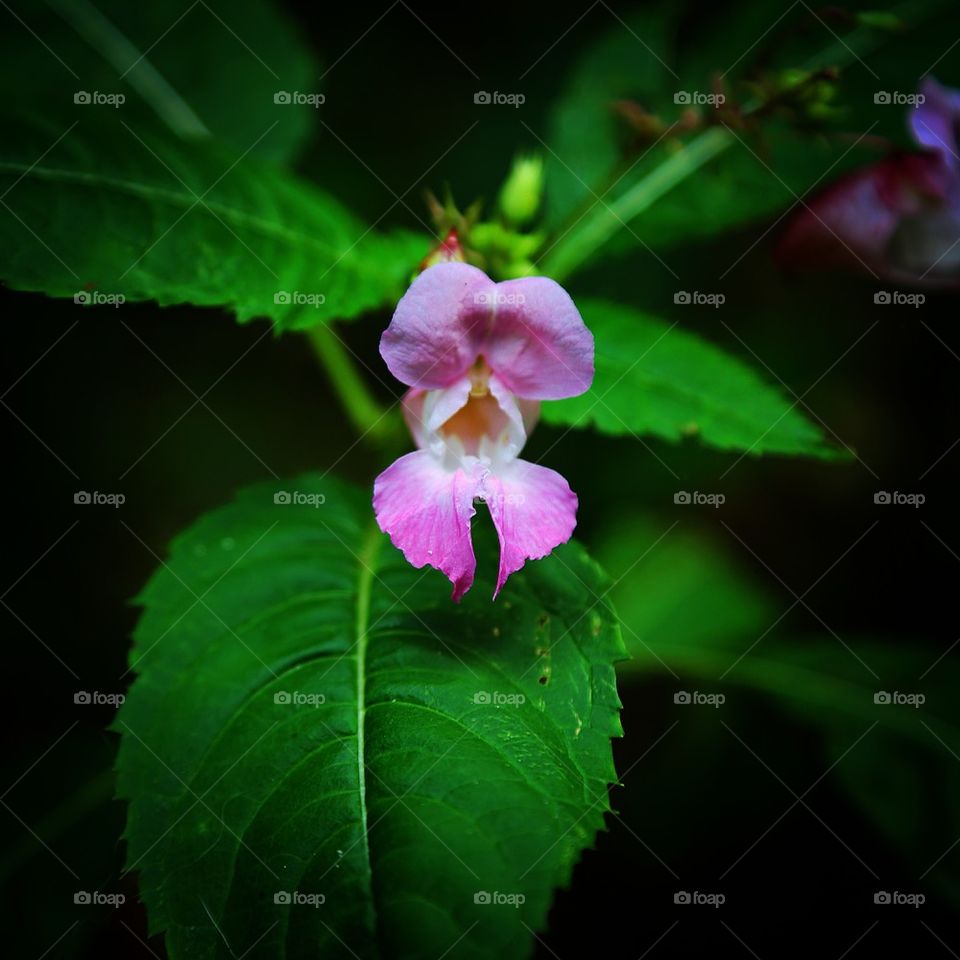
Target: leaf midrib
point(366, 560)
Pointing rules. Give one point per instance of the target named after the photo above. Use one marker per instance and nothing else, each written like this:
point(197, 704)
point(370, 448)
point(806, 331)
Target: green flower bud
point(522, 191)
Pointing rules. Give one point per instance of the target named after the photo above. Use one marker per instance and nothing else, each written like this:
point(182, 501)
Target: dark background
point(108, 403)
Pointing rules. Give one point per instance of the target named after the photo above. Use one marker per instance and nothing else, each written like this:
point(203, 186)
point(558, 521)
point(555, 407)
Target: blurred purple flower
point(479, 357)
point(899, 218)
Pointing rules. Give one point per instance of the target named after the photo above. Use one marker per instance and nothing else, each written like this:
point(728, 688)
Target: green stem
point(597, 228)
point(371, 420)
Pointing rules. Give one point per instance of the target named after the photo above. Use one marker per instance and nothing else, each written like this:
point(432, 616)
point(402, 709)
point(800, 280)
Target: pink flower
point(479, 356)
point(899, 218)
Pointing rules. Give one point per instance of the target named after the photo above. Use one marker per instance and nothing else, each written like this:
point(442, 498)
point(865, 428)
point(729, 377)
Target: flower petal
point(934, 122)
point(533, 509)
point(538, 344)
point(436, 329)
point(426, 510)
point(853, 221)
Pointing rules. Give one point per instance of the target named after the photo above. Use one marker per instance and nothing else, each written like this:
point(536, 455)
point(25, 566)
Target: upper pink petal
point(436, 330)
point(533, 509)
point(538, 344)
point(426, 510)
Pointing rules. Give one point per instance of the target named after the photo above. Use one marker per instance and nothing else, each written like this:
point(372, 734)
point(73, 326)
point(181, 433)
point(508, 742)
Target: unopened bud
point(447, 250)
point(522, 191)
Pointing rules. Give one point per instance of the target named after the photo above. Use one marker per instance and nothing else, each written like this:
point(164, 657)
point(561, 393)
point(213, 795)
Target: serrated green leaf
point(110, 210)
point(396, 792)
point(209, 69)
point(654, 378)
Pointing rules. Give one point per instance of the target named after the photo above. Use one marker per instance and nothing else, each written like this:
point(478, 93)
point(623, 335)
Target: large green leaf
point(658, 379)
point(207, 69)
point(114, 211)
point(443, 752)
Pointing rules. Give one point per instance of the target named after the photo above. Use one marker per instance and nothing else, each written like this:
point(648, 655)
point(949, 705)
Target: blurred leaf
point(676, 187)
point(310, 717)
point(654, 378)
point(684, 606)
point(112, 211)
point(190, 67)
point(585, 133)
point(675, 587)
